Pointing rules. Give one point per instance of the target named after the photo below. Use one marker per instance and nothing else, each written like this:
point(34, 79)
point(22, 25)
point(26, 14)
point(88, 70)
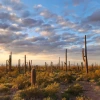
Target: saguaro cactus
point(51, 67)
point(29, 65)
point(33, 76)
point(25, 65)
point(10, 61)
point(84, 55)
point(19, 65)
point(62, 65)
point(78, 67)
point(45, 66)
point(69, 64)
point(59, 62)
point(66, 59)
point(6, 65)
point(82, 65)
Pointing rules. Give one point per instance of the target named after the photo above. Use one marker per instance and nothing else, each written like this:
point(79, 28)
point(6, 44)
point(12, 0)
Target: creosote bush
point(73, 90)
point(21, 82)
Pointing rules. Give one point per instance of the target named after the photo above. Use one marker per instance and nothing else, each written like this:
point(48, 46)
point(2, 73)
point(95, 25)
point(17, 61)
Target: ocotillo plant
point(25, 65)
point(66, 59)
point(33, 76)
point(84, 55)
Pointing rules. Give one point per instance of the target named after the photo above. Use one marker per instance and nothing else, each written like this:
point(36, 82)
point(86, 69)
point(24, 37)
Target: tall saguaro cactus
point(33, 76)
point(10, 61)
point(84, 55)
point(66, 59)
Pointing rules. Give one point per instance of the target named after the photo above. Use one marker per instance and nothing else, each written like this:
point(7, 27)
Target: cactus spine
point(84, 55)
point(33, 76)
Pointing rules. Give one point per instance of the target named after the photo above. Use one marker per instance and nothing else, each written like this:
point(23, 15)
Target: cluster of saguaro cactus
point(33, 76)
point(84, 55)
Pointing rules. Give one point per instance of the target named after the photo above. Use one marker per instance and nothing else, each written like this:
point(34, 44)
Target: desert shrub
point(3, 88)
point(6, 97)
point(48, 98)
point(64, 77)
point(21, 82)
point(44, 78)
point(73, 90)
point(6, 79)
point(92, 75)
point(28, 94)
point(98, 82)
point(82, 98)
point(51, 90)
point(14, 73)
point(79, 78)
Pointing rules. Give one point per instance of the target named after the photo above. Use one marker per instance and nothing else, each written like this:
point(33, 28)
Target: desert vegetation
point(50, 82)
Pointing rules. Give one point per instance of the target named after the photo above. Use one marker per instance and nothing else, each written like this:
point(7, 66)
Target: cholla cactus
point(33, 76)
point(84, 55)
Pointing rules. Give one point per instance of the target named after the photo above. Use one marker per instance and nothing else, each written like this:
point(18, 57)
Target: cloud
point(29, 22)
point(15, 4)
point(93, 19)
point(25, 14)
point(47, 14)
point(8, 37)
point(77, 2)
point(4, 25)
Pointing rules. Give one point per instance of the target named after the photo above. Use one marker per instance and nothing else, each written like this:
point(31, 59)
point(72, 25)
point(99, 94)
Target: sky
point(44, 29)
